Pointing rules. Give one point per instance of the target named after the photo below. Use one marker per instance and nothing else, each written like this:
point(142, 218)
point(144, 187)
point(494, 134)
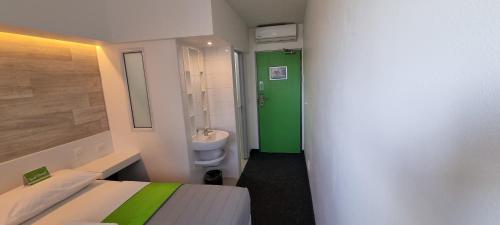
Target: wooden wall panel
point(50, 94)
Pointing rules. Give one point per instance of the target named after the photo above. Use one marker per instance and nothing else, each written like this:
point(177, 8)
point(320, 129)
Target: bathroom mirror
point(137, 89)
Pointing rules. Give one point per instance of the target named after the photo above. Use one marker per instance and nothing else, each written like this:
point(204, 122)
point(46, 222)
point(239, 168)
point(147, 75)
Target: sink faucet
point(206, 131)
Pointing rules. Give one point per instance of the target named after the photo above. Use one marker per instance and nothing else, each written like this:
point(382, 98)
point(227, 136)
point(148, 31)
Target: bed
point(190, 204)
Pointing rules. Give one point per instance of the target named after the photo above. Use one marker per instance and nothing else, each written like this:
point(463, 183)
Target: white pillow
point(22, 203)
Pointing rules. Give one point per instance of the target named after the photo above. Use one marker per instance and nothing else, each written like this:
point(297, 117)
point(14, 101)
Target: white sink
point(215, 140)
point(210, 149)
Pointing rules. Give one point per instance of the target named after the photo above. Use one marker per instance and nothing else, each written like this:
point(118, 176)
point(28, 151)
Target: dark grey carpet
point(279, 189)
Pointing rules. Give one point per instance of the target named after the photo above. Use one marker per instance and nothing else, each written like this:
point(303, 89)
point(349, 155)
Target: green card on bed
point(142, 205)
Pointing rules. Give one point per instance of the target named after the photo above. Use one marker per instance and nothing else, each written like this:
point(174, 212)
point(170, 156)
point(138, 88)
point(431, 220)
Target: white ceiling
point(202, 41)
point(258, 12)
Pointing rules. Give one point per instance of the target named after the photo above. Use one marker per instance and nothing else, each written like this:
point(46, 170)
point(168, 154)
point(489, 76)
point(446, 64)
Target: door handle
point(261, 100)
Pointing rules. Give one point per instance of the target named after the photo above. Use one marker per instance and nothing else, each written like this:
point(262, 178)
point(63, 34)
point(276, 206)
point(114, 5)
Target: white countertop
point(112, 163)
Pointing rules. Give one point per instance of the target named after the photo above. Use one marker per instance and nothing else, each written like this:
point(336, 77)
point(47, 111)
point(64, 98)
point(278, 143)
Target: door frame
point(240, 102)
point(301, 92)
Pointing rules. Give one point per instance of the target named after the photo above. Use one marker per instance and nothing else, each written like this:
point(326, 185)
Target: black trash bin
point(213, 177)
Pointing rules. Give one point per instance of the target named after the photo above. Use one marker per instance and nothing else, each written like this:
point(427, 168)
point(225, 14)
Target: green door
point(279, 101)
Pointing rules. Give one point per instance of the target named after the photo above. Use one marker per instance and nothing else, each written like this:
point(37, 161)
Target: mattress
point(191, 204)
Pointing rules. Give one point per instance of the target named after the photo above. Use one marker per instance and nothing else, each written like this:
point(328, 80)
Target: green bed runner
point(142, 205)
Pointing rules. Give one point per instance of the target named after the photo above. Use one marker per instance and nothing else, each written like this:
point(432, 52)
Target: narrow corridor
point(279, 189)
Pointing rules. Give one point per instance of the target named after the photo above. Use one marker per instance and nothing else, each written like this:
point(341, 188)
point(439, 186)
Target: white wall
point(402, 115)
point(228, 25)
point(251, 80)
point(86, 19)
point(164, 149)
point(132, 20)
point(218, 67)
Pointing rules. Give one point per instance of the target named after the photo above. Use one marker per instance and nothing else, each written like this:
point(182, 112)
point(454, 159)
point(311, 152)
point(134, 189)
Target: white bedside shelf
point(112, 163)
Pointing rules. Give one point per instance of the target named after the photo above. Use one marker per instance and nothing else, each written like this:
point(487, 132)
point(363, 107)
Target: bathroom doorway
point(240, 108)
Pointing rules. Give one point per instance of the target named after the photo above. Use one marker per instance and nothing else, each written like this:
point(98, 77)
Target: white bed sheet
point(81, 207)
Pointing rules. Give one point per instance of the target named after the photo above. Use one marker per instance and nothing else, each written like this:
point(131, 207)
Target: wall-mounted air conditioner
point(276, 33)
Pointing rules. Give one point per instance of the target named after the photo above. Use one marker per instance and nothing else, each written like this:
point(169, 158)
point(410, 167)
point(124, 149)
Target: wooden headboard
point(50, 94)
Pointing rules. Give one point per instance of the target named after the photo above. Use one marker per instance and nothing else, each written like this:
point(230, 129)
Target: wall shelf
point(214, 162)
point(112, 163)
point(196, 100)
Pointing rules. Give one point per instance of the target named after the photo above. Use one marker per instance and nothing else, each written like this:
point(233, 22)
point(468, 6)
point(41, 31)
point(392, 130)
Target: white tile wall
point(218, 68)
